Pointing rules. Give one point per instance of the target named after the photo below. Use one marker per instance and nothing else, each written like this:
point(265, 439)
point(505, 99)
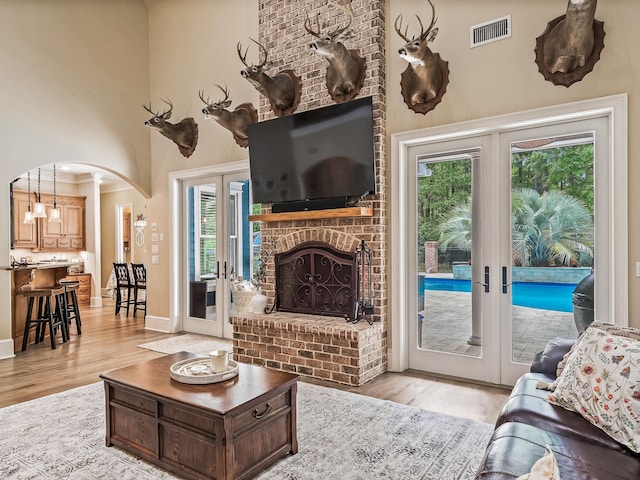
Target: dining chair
point(123, 283)
point(140, 283)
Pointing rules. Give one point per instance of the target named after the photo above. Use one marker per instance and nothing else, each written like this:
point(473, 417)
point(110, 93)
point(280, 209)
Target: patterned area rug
point(340, 435)
point(189, 342)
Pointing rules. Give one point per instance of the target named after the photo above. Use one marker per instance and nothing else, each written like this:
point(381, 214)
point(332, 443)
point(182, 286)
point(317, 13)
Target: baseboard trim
point(6, 348)
point(96, 302)
point(158, 324)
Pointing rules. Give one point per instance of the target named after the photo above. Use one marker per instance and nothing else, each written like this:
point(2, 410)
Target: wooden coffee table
point(228, 430)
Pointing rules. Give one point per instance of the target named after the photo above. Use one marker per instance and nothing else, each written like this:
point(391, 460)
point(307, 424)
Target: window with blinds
point(207, 232)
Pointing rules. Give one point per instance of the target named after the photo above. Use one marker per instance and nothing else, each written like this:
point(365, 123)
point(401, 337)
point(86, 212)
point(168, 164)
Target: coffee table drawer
point(134, 400)
point(262, 412)
point(187, 451)
point(197, 420)
point(133, 430)
point(259, 445)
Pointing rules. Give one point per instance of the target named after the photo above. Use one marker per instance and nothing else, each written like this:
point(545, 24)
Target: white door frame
point(614, 108)
point(176, 243)
point(120, 208)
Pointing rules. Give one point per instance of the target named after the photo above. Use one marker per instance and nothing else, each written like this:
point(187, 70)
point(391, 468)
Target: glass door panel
point(445, 231)
point(450, 334)
point(552, 237)
point(218, 249)
point(547, 279)
point(203, 257)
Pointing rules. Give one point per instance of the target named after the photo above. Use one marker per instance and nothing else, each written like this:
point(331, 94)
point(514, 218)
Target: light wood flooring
point(109, 341)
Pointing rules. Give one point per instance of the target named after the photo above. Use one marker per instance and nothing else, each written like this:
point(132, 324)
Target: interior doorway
point(123, 241)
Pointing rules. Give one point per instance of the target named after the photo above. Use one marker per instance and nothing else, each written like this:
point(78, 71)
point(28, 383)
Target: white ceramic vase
point(258, 303)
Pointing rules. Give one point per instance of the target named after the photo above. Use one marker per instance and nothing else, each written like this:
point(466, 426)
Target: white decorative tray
point(198, 371)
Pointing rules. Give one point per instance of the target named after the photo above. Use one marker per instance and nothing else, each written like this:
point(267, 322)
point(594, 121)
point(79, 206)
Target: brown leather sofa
point(528, 423)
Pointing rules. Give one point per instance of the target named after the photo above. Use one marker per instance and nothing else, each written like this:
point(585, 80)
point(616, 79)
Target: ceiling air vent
point(491, 31)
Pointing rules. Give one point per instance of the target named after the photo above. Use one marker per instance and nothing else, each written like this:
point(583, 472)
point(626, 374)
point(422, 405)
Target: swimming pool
point(546, 296)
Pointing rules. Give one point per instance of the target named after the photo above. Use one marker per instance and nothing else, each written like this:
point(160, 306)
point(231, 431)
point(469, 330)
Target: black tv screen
point(318, 154)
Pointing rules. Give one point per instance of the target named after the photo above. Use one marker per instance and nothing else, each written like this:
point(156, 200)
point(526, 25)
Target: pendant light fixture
point(54, 214)
point(39, 210)
point(28, 215)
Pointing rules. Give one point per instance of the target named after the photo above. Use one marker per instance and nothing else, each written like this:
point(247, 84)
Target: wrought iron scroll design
point(317, 279)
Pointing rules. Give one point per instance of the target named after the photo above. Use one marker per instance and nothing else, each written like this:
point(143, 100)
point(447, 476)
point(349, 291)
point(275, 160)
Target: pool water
point(546, 296)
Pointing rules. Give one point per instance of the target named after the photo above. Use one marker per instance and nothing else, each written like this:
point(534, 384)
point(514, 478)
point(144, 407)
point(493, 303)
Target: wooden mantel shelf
point(314, 214)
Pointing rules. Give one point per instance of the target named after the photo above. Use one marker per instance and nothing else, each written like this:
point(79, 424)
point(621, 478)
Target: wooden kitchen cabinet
point(43, 235)
point(84, 290)
point(68, 234)
point(23, 236)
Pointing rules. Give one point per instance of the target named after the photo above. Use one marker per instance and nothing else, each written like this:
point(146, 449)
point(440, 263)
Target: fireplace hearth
point(315, 278)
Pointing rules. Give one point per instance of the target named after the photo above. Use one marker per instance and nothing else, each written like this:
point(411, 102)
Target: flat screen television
point(322, 158)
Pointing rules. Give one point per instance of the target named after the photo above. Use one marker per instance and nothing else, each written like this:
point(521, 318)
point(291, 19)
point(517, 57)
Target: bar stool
point(139, 284)
point(51, 311)
point(73, 310)
point(123, 283)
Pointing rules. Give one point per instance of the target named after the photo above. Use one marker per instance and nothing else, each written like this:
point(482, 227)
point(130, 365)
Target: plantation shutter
point(207, 232)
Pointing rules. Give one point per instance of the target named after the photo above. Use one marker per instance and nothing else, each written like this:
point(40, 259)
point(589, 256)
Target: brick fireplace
point(321, 346)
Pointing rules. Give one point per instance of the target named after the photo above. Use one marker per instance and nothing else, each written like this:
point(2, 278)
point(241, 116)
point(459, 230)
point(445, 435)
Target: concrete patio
point(446, 326)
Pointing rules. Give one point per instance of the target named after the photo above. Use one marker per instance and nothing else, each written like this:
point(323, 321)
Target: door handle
point(504, 280)
point(224, 271)
point(217, 269)
point(486, 280)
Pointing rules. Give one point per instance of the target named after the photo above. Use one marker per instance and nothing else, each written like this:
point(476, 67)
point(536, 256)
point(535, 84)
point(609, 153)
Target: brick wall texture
point(282, 32)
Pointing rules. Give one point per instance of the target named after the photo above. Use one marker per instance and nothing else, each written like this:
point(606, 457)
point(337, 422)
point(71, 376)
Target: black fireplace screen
point(317, 279)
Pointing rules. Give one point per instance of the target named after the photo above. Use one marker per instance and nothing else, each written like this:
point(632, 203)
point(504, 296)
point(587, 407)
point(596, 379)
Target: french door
point(216, 248)
point(501, 227)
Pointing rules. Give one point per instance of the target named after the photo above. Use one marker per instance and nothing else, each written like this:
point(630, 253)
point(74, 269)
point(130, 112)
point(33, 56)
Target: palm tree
point(552, 229)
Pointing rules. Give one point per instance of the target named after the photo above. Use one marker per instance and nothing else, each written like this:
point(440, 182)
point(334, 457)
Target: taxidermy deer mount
point(282, 90)
point(184, 134)
point(424, 81)
point(346, 69)
point(236, 122)
point(571, 44)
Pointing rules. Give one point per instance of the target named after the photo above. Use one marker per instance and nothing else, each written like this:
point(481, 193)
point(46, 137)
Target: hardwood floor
point(109, 341)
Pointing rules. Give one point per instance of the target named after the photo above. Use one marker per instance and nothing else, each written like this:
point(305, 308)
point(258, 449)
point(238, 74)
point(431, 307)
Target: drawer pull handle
point(260, 415)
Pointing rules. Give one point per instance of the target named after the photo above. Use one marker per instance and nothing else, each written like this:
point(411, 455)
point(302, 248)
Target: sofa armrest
point(547, 361)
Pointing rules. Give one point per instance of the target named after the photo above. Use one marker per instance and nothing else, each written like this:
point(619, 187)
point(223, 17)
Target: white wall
point(74, 75)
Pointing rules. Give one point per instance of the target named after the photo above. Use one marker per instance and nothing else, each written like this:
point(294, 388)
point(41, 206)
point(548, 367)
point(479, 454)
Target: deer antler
point(424, 34)
point(335, 33)
point(166, 113)
point(307, 26)
point(148, 109)
point(399, 28)
point(243, 58)
point(225, 91)
point(201, 95)
point(349, 11)
point(266, 53)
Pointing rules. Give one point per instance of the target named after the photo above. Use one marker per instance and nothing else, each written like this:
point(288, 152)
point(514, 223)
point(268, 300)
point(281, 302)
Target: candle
point(219, 361)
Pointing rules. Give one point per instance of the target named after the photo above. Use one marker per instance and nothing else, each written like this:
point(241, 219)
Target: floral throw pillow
point(601, 382)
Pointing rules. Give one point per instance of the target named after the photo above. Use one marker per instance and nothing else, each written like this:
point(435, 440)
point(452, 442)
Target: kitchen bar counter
point(29, 276)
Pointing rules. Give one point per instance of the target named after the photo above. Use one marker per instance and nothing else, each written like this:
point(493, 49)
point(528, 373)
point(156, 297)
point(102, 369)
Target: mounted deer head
point(571, 44)
point(424, 82)
point(184, 134)
point(282, 90)
point(346, 69)
point(236, 122)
